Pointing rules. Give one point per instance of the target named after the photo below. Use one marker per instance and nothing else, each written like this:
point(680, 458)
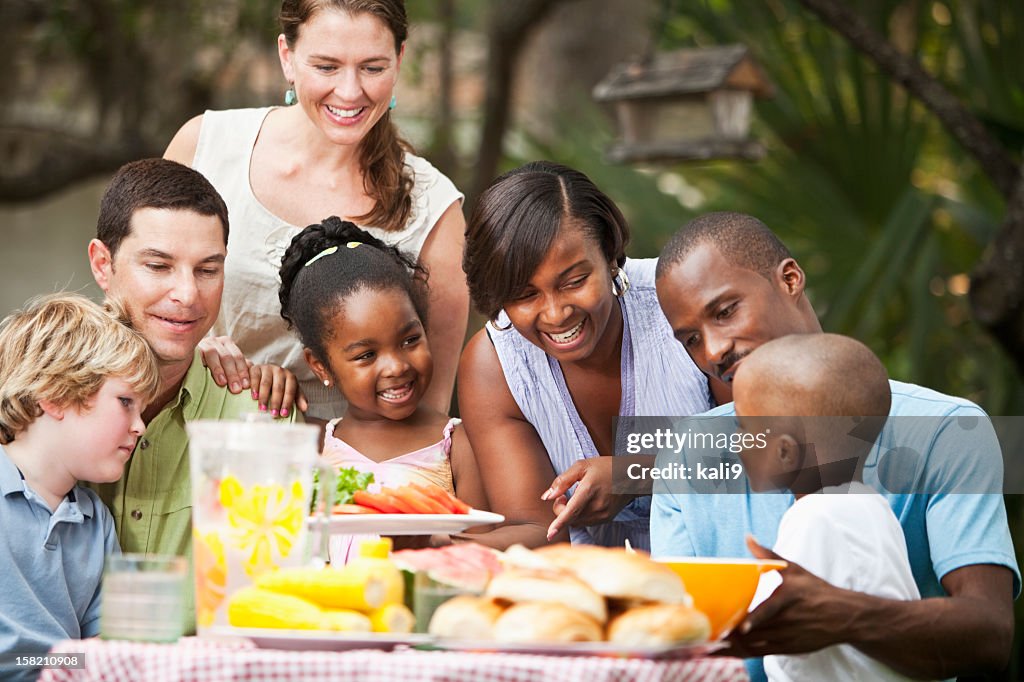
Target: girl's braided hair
point(315, 282)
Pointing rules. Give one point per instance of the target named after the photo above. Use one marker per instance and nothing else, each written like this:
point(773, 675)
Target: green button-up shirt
point(152, 502)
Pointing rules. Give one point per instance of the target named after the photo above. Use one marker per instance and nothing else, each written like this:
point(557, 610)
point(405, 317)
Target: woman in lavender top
point(574, 339)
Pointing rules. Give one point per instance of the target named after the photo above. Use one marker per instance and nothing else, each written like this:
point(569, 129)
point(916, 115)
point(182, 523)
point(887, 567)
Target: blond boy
point(74, 379)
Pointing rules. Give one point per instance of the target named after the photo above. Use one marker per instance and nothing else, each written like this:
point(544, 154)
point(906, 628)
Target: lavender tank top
point(658, 379)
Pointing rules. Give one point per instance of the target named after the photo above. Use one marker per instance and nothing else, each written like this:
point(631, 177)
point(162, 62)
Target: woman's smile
point(570, 338)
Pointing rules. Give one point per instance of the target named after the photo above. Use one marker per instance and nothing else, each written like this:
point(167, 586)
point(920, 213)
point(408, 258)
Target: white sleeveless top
point(250, 310)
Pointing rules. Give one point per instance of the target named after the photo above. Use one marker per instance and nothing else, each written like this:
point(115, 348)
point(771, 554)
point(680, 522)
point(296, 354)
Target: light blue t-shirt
point(944, 530)
point(51, 564)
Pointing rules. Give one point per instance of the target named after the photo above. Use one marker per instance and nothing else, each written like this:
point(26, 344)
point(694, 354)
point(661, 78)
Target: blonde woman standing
point(332, 150)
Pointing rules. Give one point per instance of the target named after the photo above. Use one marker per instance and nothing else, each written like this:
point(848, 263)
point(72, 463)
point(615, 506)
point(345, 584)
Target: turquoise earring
point(289, 97)
point(393, 102)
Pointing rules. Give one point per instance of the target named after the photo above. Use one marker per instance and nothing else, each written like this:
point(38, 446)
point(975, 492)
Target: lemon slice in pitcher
point(264, 521)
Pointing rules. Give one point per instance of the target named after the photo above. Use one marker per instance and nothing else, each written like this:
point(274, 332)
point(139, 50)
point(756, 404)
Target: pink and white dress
point(430, 464)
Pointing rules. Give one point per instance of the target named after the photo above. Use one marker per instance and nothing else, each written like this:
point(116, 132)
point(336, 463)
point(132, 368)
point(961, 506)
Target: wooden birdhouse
point(689, 104)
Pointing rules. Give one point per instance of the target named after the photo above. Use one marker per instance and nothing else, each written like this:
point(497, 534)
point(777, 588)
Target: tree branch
point(443, 147)
point(997, 281)
point(964, 126)
point(41, 161)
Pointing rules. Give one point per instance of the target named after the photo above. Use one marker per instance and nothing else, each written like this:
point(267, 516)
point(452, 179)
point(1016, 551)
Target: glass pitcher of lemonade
point(251, 486)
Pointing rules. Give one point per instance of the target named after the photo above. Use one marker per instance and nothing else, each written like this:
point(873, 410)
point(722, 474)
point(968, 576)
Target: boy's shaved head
point(816, 375)
point(826, 396)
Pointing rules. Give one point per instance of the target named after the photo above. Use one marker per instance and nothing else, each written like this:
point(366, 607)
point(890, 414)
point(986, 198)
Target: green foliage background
point(884, 211)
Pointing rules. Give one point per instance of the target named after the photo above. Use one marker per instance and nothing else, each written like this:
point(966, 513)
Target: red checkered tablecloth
point(200, 660)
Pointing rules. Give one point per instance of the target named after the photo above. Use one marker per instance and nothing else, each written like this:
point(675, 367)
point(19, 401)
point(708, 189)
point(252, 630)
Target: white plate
point(600, 649)
point(313, 640)
point(405, 524)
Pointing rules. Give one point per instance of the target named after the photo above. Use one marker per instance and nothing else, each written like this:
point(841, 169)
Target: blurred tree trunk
point(997, 282)
point(571, 52)
point(442, 152)
point(548, 56)
point(510, 25)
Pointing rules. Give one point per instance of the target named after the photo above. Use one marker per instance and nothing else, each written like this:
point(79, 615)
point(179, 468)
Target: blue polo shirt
point(51, 564)
point(944, 530)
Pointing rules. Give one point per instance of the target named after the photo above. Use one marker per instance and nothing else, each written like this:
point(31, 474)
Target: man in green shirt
point(161, 241)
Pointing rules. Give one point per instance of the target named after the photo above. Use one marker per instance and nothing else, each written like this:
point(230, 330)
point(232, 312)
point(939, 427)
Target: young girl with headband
point(359, 308)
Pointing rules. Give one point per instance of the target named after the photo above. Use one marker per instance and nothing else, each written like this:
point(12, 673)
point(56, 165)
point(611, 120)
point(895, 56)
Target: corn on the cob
point(349, 587)
point(252, 607)
point(393, 618)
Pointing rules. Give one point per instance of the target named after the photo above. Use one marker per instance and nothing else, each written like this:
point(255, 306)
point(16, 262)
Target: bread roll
point(546, 622)
point(618, 574)
point(518, 556)
point(465, 617)
point(521, 585)
point(660, 624)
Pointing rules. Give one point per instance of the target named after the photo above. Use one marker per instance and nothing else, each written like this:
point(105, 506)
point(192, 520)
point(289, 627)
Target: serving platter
point(599, 649)
point(404, 524)
point(314, 640)
point(319, 640)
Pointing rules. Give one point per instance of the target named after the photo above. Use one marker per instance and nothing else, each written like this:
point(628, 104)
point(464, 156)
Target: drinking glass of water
point(143, 597)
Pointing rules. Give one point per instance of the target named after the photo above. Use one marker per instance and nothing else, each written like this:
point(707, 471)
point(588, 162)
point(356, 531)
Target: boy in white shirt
point(819, 401)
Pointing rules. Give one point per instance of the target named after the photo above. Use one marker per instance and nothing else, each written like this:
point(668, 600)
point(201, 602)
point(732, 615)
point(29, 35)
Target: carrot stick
point(437, 494)
point(421, 501)
point(460, 506)
point(379, 502)
point(353, 509)
point(396, 500)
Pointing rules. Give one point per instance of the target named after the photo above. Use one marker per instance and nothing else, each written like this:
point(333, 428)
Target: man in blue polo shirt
point(727, 285)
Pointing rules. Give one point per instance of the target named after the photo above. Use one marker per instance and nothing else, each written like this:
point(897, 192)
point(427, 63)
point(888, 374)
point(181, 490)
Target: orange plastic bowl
point(721, 588)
